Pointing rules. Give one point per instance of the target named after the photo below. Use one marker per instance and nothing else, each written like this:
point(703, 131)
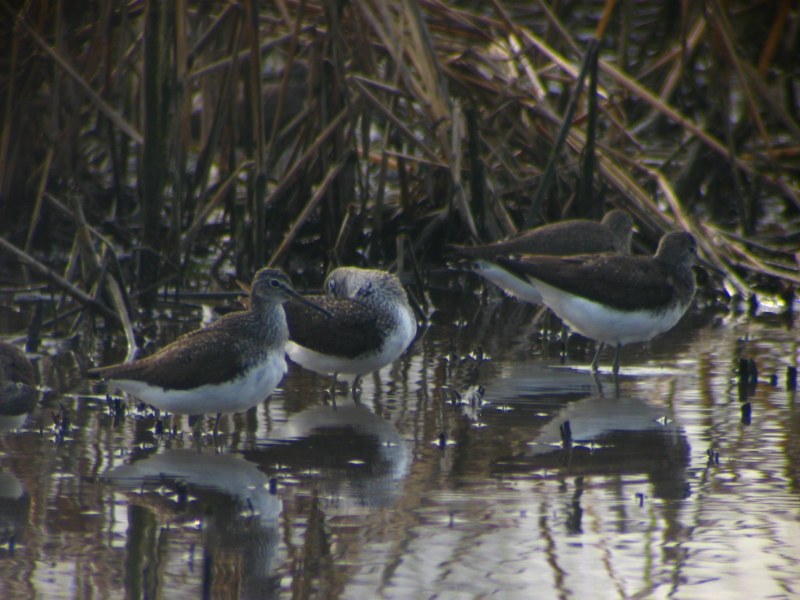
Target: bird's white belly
point(605, 324)
point(229, 397)
point(506, 281)
point(392, 348)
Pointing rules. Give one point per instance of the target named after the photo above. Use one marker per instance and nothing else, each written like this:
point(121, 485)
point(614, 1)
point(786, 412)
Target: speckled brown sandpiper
point(565, 238)
point(229, 366)
point(613, 298)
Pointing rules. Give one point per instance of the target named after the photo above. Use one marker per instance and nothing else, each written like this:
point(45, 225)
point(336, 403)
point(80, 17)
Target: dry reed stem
point(312, 204)
point(114, 116)
point(406, 73)
point(61, 283)
point(205, 212)
point(5, 138)
point(307, 156)
point(726, 34)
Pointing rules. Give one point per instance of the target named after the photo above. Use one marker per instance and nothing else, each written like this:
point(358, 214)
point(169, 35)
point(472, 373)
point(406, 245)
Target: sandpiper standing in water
point(18, 394)
point(612, 298)
point(371, 325)
point(565, 238)
point(229, 366)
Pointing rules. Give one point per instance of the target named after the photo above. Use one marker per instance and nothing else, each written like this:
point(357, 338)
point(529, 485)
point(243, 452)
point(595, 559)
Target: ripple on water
point(366, 504)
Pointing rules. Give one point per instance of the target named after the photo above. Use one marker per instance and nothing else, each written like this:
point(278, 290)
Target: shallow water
point(424, 488)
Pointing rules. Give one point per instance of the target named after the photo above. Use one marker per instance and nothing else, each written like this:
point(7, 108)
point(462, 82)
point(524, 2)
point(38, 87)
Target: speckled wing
point(183, 365)
point(350, 331)
point(16, 398)
point(625, 282)
point(15, 366)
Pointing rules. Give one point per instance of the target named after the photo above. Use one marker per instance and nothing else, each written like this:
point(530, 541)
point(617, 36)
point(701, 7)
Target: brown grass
point(201, 137)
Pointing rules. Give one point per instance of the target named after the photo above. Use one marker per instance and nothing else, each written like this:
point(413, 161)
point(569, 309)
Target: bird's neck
point(264, 310)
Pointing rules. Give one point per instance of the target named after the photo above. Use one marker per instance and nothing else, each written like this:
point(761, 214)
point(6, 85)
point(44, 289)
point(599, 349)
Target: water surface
point(425, 488)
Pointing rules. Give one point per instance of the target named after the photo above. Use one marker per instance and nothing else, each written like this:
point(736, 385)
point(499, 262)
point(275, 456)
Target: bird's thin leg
point(332, 390)
point(216, 424)
point(356, 388)
point(196, 422)
point(596, 360)
point(616, 359)
point(564, 339)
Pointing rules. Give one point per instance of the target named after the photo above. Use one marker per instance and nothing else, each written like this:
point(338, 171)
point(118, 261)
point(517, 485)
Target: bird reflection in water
point(230, 499)
point(609, 436)
point(357, 456)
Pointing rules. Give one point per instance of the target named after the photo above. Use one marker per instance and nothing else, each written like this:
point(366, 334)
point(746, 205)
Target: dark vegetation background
point(161, 146)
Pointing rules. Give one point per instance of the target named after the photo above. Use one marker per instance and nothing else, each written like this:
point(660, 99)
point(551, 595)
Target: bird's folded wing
point(350, 330)
point(625, 282)
point(181, 366)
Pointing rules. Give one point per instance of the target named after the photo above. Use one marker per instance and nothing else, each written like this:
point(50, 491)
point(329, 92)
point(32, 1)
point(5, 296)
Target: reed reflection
point(224, 500)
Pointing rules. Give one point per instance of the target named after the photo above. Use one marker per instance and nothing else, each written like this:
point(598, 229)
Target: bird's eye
point(275, 283)
point(332, 285)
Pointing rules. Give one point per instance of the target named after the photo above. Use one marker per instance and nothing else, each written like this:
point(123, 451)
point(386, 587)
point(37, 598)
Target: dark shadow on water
point(609, 436)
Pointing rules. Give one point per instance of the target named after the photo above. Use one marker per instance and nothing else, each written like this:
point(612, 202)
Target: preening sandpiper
point(371, 325)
